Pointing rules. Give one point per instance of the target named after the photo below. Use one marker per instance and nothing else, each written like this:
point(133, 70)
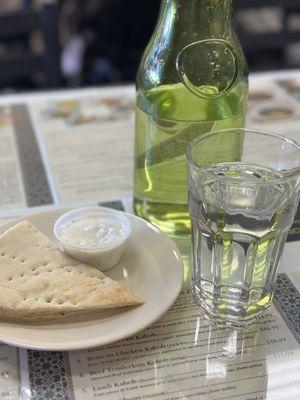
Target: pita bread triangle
point(39, 282)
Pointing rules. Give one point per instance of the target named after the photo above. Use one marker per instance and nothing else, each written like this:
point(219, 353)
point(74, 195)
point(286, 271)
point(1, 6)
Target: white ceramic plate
point(151, 266)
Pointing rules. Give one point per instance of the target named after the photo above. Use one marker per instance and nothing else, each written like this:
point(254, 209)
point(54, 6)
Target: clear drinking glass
point(241, 211)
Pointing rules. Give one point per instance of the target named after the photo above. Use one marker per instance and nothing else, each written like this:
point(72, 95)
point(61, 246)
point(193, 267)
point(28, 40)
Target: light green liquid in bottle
point(167, 119)
point(192, 80)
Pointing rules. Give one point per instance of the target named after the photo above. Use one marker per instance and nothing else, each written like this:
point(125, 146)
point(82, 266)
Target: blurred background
point(72, 43)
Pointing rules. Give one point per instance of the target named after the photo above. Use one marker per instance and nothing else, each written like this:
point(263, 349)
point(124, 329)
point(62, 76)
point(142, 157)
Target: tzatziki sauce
point(93, 231)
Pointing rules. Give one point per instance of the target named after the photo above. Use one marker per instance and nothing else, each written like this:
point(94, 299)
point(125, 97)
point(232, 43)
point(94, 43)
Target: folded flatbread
point(39, 282)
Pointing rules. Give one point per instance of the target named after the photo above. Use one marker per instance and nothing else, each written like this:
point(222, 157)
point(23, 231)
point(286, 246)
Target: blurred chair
point(264, 30)
point(122, 29)
point(21, 62)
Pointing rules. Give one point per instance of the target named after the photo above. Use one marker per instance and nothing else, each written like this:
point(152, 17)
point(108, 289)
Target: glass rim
point(286, 175)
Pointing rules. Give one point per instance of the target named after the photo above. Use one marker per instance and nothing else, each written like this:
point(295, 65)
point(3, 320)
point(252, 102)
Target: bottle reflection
point(235, 358)
point(184, 245)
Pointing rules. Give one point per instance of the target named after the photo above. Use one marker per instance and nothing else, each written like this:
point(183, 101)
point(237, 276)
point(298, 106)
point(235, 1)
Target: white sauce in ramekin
point(94, 235)
point(93, 232)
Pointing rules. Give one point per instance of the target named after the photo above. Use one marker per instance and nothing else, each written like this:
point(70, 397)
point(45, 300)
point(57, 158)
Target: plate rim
point(94, 343)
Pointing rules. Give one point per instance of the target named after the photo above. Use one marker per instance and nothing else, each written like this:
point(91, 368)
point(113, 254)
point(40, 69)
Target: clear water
point(239, 230)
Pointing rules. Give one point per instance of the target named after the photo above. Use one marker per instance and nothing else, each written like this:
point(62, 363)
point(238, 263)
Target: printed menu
point(9, 373)
point(182, 356)
point(89, 144)
point(12, 193)
point(81, 152)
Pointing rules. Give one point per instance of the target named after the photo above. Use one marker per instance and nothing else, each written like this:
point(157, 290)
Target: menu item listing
point(90, 159)
point(12, 192)
point(183, 357)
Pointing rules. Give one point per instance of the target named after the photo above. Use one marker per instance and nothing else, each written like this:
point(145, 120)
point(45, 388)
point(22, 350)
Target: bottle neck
point(200, 19)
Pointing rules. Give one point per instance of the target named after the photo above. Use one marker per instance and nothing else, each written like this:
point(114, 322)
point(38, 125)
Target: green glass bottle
point(192, 79)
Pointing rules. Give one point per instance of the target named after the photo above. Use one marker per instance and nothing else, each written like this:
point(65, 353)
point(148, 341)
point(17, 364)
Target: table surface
point(73, 148)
